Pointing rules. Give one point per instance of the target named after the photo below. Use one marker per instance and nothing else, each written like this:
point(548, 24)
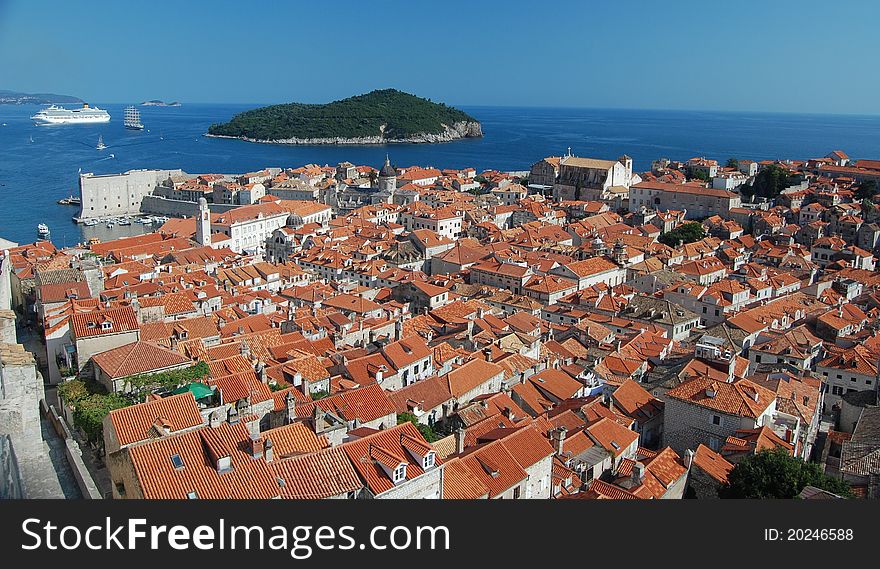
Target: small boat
point(93, 241)
point(32, 139)
point(91, 222)
point(101, 145)
point(109, 224)
point(124, 221)
point(71, 200)
point(43, 231)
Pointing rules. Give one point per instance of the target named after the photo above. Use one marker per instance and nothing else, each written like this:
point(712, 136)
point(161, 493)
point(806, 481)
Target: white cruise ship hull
point(59, 115)
point(71, 120)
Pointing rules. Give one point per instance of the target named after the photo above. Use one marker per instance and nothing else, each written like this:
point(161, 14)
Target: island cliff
point(379, 117)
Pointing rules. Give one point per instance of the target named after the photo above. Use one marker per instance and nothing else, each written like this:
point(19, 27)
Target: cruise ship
point(54, 114)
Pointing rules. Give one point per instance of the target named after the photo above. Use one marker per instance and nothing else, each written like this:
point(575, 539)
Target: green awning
point(199, 390)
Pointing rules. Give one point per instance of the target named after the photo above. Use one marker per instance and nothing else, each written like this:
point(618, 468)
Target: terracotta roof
point(294, 439)
point(367, 454)
point(601, 490)
point(198, 451)
point(134, 423)
point(323, 474)
point(366, 404)
point(494, 467)
point(712, 463)
point(426, 394)
point(137, 357)
point(406, 351)
point(742, 397)
point(459, 483)
point(471, 375)
point(104, 322)
point(612, 436)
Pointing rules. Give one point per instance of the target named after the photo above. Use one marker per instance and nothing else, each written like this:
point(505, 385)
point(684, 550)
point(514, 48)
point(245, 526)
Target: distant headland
point(379, 117)
point(158, 103)
point(18, 98)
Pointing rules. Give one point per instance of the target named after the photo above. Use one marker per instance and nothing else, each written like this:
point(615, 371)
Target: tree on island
point(684, 233)
point(777, 474)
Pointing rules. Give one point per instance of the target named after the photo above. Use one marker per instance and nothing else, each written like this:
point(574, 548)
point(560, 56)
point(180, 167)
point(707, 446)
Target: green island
point(377, 117)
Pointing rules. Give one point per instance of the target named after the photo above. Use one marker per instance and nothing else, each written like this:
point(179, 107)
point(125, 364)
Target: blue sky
point(772, 55)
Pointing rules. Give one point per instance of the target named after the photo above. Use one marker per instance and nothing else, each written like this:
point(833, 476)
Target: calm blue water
point(34, 175)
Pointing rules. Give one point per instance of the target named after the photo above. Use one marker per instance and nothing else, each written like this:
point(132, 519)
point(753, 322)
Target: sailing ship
point(101, 145)
point(132, 119)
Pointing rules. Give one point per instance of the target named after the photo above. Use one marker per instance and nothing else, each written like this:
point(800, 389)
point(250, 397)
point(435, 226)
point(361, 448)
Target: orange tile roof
point(471, 375)
point(294, 439)
point(613, 437)
point(248, 478)
point(322, 474)
point(494, 467)
point(366, 404)
point(89, 324)
point(459, 483)
point(134, 423)
point(737, 398)
point(712, 463)
point(137, 357)
point(385, 447)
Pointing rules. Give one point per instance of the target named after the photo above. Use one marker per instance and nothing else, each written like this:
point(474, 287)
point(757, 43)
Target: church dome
point(295, 221)
point(387, 170)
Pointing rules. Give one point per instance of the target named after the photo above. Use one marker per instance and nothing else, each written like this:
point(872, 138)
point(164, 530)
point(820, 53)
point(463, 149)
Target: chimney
point(638, 474)
point(459, 440)
point(290, 401)
point(255, 445)
point(688, 458)
point(398, 329)
point(267, 450)
point(380, 373)
point(232, 416)
point(609, 401)
point(558, 436)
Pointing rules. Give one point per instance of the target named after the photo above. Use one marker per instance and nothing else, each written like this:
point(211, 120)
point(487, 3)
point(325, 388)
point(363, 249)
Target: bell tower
point(203, 224)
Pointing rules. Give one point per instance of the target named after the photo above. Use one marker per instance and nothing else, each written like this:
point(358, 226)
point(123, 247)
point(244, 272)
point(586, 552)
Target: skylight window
point(177, 461)
point(192, 495)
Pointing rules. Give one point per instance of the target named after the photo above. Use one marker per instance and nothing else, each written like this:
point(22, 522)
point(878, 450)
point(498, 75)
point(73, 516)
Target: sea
point(40, 164)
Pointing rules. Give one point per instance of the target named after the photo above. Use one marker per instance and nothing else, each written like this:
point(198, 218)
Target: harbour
point(34, 176)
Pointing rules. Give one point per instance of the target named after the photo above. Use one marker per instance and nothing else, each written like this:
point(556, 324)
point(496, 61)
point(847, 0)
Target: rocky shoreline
point(458, 131)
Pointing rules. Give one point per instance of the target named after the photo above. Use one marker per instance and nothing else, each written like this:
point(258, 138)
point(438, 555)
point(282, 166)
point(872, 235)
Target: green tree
point(732, 163)
point(866, 190)
point(73, 391)
point(769, 182)
point(91, 410)
point(684, 233)
point(700, 175)
point(426, 430)
point(776, 474)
